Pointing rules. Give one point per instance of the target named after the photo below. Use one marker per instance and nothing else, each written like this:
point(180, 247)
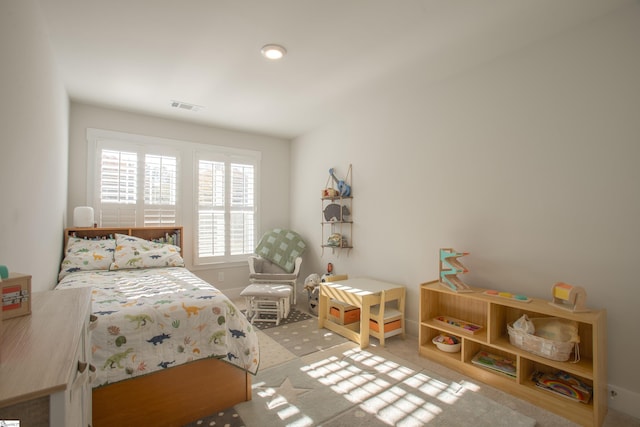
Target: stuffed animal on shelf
point(333, 212)
point(336, 241)
point(343, 187)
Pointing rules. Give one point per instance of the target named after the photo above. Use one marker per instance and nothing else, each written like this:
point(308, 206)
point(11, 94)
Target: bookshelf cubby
point(148, 233)
point(493, 314)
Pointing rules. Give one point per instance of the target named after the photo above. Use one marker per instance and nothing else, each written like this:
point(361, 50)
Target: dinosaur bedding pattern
point(153, 319)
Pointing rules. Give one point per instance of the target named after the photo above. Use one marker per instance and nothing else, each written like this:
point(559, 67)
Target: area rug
point(228, 417)
point(272, 353)
point(346, 386)
point(304, 337)
point(294, 316)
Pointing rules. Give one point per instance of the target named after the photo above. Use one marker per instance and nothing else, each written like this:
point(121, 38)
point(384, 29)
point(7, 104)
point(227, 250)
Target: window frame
point(228, 158)
point(186, 154)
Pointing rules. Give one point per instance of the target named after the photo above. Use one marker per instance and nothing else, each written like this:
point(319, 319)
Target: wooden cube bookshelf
point(493, 314)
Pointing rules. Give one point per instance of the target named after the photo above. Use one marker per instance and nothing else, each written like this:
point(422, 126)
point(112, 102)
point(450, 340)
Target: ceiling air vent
point(185, 106)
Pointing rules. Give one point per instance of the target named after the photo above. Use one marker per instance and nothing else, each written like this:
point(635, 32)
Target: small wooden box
point(388, 327)
point(16, 295)
point(343, 313)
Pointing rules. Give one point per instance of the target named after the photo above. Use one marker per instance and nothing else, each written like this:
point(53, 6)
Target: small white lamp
point(83, 216)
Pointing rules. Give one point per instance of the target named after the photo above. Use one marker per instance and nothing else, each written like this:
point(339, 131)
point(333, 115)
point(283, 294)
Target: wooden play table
point(360, 292)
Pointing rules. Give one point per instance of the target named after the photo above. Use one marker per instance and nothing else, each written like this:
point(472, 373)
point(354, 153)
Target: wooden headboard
point(147, 233)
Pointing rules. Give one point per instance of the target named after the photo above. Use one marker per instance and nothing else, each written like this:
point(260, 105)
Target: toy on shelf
point(564, 384)
point(459, 325)
point(447, 343)
point(337, 240)
point(495, 362)
point(334, 212)
point(450, 267)
point(568, 297)
point(343, 188)
point(508, 295)
point(329, 193)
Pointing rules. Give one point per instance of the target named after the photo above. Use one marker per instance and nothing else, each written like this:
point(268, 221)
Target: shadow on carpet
point(294, 316)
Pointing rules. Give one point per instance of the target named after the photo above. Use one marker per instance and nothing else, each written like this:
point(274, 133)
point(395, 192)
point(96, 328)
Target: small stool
point(267, 299)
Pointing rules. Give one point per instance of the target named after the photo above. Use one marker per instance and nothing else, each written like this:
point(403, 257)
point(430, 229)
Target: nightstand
point(45, 361)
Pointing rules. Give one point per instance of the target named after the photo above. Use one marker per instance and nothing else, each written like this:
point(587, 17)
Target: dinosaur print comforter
point(152, 319)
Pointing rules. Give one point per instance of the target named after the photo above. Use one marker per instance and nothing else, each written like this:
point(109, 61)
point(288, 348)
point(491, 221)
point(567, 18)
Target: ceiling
point(139, 55)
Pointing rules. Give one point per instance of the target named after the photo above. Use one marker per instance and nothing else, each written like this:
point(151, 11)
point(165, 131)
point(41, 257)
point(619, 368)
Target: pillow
point(134, 252)
point(83, 254)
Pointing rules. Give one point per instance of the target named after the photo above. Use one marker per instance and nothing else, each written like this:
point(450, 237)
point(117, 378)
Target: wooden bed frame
point(173, 396)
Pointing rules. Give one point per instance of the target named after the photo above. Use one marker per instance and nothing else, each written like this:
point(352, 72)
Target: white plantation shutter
point(136, 188)
point(137, 180)
point(211, 209)
point(225, 209)
point(160, 188)
point(118, 188)
point(242, 209)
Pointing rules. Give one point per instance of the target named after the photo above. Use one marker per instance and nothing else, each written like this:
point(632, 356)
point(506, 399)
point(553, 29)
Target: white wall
point(33, 147)
point(529, 162)
point(274, 171)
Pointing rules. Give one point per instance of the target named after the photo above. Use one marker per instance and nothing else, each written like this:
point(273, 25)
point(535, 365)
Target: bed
point(168, 347)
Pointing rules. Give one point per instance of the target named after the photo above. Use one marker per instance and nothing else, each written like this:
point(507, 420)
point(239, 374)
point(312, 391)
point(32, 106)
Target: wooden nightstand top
point(36, 351)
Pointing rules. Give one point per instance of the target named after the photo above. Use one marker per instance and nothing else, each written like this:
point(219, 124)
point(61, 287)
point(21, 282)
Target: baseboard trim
point(623, 400)
point(232, 293)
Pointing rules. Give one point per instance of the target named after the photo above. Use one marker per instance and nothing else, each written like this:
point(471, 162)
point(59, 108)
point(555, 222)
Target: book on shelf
point(563, 384)
point(494, 362)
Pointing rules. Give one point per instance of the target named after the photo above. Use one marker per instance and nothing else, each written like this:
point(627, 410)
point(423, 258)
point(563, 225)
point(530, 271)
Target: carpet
point(313, 377)
point(228, 417)
point(346, 386)
point(304, 337)
point(294, 316)
point(272, 353)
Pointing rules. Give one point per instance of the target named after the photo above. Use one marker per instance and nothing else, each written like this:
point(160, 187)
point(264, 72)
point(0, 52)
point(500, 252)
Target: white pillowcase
point(84, 254)
point(134, 252)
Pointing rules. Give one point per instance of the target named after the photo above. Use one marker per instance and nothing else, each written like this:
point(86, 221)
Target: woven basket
point(554, 350)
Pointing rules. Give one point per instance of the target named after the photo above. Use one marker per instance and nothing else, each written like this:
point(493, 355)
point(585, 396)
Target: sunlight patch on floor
point(395, 394)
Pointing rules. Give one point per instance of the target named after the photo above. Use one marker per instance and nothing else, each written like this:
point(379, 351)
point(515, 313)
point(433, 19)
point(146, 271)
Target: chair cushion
point(258, 290)
point(264, 266)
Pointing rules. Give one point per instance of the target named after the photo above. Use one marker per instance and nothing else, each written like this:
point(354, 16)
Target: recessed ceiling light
point(273, 51)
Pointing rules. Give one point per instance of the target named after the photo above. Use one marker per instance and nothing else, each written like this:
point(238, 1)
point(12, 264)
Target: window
point(160, 188)
point(137, 180)
point(136, 187)
point(226, 208)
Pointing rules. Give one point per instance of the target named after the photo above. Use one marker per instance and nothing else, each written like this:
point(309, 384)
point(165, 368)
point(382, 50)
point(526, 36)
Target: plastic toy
point(568, 297)
point(450, 267)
